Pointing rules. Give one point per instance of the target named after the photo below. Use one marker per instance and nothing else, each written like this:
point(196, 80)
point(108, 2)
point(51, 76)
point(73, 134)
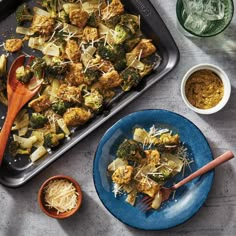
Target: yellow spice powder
point(204, 89)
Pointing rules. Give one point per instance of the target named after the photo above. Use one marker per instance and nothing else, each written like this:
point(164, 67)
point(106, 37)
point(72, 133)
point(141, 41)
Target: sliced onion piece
point(41, 12)
point(24, 30)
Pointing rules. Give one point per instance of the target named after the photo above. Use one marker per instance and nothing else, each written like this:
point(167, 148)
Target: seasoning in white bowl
point(204, 89)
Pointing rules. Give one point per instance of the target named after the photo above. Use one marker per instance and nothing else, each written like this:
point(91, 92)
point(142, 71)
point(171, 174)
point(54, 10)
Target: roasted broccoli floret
point(111, 53)
point(151, 60)
point(63, 16)
point(55, 68)
point(120, 64)
point(113, 21)
point(91, 75)
point(60, 107)
point(93, 100)
point(52, 139)
point(120, 51)
point(130, 150)
point(122, 33)
point(24, 74)
point(93, 20)
point(106, 52)
point(51, 6)
point(37, 120)
point(130, 78)
point(126, 29)
point(37, 66)
point(131, 22)
point(15, 149)
point(165, 172)
point(23, 14)
point(131, 43)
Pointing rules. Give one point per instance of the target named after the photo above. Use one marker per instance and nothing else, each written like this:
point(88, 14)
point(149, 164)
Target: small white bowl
point(226, 83)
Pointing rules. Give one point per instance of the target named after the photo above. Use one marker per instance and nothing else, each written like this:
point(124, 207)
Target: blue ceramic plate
point(188, 199)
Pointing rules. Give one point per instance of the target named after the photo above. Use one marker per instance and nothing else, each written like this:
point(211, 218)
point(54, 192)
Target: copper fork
point(145, 204)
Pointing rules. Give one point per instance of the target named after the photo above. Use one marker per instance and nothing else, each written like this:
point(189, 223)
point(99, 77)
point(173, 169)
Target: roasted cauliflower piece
point(93, 100)
point(122, 174)
point(24, 74)
point(90, 33)
point(144, 48)
point(105, 66)
point(40, 104)
point(13, 45)
point(75, 75)
point(52, 118)
point(76, 116)
point(150, 163)
point(72, 51)
point(38, 120)
point(113, 9)
point(78, 17)
point(69, 93)
point(147, 186)
point(152, 157)
point(43, 25)
point(167, 139)
point(107, 94)
point(110, 79)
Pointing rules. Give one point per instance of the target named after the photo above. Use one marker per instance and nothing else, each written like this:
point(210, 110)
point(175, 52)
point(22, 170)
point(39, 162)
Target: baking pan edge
point(147, 11)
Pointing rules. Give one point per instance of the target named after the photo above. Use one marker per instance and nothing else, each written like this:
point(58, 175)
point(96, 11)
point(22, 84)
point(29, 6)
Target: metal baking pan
point(16, 172)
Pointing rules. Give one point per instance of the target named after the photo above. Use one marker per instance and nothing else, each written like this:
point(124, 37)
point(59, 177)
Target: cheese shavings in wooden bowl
point(60, 197)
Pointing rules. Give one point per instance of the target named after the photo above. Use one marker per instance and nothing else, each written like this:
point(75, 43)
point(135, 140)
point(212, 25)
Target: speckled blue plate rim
point(208, 177)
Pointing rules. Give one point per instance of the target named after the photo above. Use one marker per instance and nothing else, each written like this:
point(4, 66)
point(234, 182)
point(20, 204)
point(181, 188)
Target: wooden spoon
point(18, 95)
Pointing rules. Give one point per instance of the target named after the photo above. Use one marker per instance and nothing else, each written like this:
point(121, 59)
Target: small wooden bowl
point(53, 212)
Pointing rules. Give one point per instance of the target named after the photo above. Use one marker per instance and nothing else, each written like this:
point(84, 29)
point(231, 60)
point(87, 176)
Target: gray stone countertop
point(19, 211)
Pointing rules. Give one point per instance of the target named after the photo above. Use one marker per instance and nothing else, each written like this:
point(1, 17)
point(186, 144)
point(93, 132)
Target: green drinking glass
point(204, 18)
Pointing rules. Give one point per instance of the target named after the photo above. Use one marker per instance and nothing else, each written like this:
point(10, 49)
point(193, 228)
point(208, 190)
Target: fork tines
point(145, 204)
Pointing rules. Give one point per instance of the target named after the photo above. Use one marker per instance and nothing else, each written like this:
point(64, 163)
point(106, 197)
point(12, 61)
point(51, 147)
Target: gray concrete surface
point(19, 211)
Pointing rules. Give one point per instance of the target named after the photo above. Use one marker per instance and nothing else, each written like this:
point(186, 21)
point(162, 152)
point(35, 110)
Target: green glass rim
point(178, 13)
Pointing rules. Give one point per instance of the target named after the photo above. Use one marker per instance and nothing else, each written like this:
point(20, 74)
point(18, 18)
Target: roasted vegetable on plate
point(144, 164)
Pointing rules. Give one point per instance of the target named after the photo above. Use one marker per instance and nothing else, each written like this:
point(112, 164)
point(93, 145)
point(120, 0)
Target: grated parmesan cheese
point(117, 189)
point(61, 195)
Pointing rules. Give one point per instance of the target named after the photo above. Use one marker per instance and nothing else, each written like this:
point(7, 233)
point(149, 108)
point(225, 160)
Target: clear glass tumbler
point(204, 18)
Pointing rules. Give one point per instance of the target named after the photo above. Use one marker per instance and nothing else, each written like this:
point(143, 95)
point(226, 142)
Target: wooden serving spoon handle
point(18, 95)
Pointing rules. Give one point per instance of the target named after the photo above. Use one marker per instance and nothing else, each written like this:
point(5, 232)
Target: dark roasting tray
point(16, 172)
